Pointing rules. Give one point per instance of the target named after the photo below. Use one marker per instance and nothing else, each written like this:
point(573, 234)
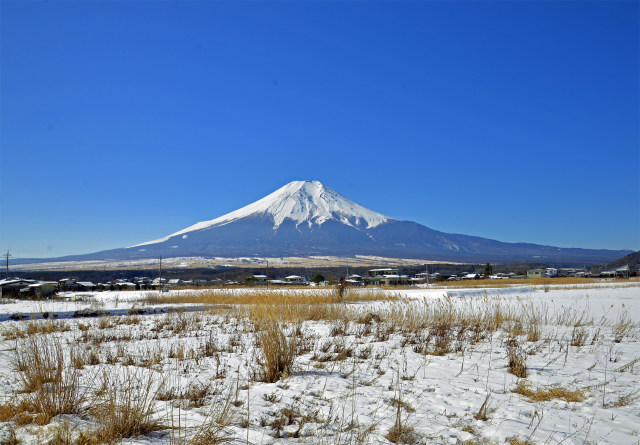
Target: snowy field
point(457, 366)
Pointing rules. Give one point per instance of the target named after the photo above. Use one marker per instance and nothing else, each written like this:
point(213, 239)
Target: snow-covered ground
point(354, 380)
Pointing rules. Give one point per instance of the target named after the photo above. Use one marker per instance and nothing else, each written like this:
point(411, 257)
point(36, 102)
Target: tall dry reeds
point(278, 350)
point(289, 297)
point(50, 385)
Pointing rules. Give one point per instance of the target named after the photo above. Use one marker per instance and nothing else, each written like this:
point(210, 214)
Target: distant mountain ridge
point(632, 260)
point(306, 218)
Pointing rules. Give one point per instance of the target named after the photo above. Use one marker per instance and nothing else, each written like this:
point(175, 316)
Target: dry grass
point(272, 297)
point(35, 327)
point(20, 411)
point(126, 406)
point(11, 438)
point(578, 337)
point(483, 412)
point(278, 350)
point(50, 387)
point(516, 359)
point(544, 395)
point(215, 429)
point(518, 441)
point(623, 326)
point(400, 432)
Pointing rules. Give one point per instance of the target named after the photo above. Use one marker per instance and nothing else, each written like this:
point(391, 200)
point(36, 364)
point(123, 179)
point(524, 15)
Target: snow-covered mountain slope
point(304, 202)
point(307, 218)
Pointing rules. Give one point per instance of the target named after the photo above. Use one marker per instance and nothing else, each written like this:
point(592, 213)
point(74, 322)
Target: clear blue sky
point(122, 122)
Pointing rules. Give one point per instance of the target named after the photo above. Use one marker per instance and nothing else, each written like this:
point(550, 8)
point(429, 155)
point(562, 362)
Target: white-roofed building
point(260, 279)
point(295, 279)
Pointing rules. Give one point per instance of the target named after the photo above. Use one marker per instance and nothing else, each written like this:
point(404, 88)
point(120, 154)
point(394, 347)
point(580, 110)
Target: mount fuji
point(306, 218)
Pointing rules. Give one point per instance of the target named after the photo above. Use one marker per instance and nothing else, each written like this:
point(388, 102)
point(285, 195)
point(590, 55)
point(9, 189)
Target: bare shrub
point(516, 359)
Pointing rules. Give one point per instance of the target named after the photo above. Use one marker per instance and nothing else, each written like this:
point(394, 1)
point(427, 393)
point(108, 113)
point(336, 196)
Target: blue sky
point(122, 122)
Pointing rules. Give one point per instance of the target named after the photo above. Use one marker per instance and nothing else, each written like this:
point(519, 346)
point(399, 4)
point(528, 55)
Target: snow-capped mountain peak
point(304, 202)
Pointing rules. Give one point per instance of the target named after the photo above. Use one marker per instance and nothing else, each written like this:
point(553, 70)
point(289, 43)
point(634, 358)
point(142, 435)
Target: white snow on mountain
point(308, 202)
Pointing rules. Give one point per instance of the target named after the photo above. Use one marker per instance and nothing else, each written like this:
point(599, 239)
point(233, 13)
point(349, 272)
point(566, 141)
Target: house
point(394, 280)
point(11, 286)
point(143, 281)
point(126, 286)
point(381, 272)
point(174, 282)
point(85, 285)
point(295, 279)
point(536, 273)
point(470, 276)
point(260, 279)
point(622, 271)
point(41, 289)
point(386, 277)
point(506, 276)
point(67, 282)
point(550, 272)
point(422, 277)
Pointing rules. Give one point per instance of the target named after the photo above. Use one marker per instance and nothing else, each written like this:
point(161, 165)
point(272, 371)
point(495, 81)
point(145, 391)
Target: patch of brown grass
point(35, 327)
point(518, 441)
point(271, 297)
point(544, 395)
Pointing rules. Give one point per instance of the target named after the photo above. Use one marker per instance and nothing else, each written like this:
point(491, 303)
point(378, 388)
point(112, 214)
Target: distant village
point(15, 287)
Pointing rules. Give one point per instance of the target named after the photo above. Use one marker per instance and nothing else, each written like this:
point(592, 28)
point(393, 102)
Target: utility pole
point(8, 255)
point(160, 277)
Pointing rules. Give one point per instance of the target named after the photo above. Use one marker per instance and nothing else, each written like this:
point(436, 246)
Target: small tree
point(488, 270)
point(318, 278)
